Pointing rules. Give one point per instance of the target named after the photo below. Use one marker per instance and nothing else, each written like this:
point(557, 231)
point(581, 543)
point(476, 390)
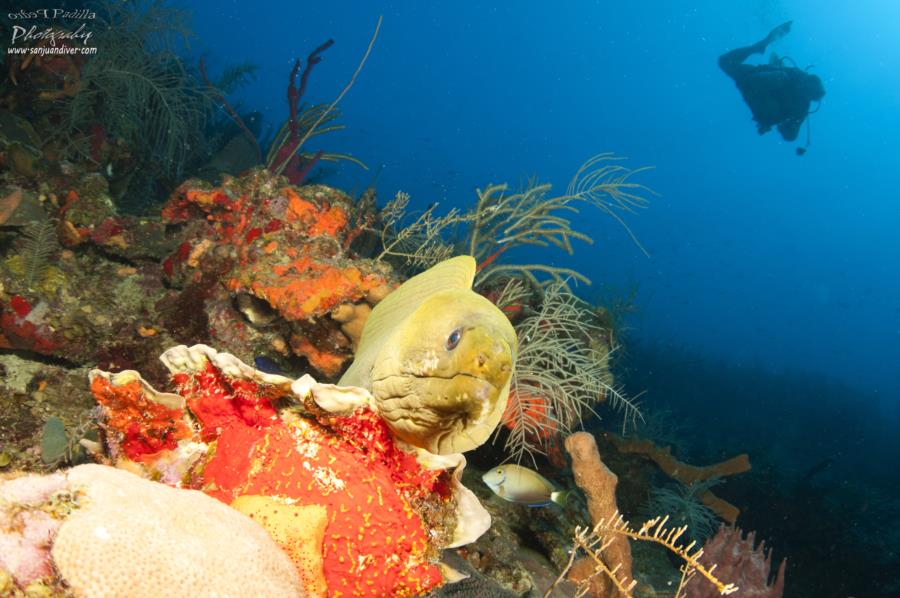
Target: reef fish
point(438, 359)
point(264, 364)
point(522, 485)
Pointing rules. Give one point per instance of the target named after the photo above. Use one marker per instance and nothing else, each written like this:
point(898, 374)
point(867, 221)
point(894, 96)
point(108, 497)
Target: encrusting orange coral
point(327, 362)
point(328, 220)
point(327, 458)
point(305, 288)
point(283, 245)
point(148, 422)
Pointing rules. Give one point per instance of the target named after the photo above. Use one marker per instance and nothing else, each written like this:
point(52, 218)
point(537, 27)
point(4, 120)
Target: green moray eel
point(438, 359)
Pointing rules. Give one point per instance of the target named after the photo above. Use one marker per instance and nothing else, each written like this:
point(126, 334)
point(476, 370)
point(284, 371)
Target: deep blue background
point(758, 256)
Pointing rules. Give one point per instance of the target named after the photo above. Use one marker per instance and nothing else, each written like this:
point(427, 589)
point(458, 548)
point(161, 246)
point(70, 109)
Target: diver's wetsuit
point(777, 95)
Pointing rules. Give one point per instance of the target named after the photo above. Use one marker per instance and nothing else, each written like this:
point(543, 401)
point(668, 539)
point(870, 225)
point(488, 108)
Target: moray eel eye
point(453, 339)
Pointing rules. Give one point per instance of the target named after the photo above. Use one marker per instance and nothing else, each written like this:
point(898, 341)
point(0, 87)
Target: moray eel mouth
point(442, 414)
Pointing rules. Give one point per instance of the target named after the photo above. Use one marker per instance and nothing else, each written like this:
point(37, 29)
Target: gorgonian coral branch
point(655, 531)
point(560, 374)
point(220, 97)
point(502, 220)
point(594, 541)
point(288, 147)
point(420, 243)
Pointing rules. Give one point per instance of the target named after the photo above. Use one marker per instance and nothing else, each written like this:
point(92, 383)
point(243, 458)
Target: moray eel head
point(442, 379)
point(438, 359)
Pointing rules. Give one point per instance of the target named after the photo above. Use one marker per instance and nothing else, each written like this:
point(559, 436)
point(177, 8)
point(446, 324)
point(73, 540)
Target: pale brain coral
point(126, 536)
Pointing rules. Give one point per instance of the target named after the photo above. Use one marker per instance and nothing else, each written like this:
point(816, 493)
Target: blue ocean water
point(757, 256)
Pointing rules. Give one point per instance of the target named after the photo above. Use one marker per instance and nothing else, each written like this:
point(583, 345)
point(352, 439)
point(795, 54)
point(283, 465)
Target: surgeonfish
point(437, 358)
point(522, 485)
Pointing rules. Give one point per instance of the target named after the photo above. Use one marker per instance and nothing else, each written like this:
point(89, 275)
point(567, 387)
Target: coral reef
point(75, 533)
point(260, 271)
point(606, 568)
point(61, 308)
point(286, 278)
point(388, 508)
point(283, 252)
point(593, 549)
point(131, 111)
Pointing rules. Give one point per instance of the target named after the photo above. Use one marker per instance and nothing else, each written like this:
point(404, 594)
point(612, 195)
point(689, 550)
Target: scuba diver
point(778, 95)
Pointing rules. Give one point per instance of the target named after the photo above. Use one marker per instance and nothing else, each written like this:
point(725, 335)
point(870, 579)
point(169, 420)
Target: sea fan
point(534, 216)
point(502, 220)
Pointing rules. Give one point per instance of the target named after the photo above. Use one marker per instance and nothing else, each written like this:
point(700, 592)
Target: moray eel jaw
point(447, 400)
point(458, 417)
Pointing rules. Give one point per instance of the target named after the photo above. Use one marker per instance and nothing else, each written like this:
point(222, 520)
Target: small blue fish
point(264, 364)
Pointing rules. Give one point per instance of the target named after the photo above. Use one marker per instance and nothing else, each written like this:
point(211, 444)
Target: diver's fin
point(455, 273)
point(779, 32)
